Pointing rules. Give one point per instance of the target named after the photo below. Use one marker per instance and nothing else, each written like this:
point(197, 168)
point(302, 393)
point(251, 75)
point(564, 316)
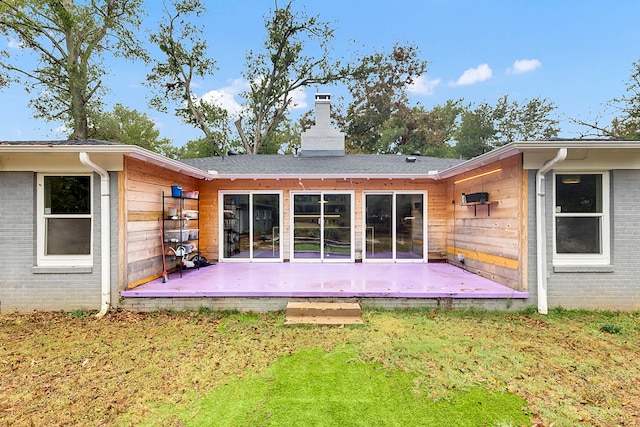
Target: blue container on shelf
point(176, 190)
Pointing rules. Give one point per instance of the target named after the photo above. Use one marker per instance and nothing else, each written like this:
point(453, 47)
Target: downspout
point(105, 232)
point(541, 231)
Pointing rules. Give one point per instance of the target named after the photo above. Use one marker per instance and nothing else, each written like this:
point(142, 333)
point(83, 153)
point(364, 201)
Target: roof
point(538, 152)
point(348, 166)
point(101, 147)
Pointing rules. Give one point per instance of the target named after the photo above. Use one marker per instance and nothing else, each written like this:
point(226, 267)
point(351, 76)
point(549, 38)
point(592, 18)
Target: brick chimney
point(322, 139)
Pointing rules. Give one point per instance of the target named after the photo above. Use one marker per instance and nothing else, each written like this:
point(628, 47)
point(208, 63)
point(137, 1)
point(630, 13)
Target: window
point(581, 218)
point(64, 220)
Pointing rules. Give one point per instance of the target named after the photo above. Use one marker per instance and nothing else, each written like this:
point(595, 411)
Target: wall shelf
point(476, 204)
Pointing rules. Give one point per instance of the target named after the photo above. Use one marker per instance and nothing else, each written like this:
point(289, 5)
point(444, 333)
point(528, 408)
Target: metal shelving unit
point(181, 230)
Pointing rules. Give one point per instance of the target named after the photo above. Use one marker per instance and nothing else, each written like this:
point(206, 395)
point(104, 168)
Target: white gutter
point(541, 231)
point(105, 232)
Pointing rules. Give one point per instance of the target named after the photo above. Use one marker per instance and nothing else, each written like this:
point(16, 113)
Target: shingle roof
point(348, 165)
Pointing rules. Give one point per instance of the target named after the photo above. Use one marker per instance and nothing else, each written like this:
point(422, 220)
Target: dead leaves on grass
point(58, 369)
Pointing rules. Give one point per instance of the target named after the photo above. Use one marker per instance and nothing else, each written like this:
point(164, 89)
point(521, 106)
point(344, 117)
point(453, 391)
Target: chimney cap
point(323, 97)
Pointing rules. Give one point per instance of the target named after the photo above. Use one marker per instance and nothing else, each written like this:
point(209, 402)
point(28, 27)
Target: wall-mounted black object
point(476, 197)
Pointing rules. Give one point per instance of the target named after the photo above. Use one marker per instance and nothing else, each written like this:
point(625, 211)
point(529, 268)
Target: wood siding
point(491, 237)
point(437, 202)
point(142, 207)
point(492, 244)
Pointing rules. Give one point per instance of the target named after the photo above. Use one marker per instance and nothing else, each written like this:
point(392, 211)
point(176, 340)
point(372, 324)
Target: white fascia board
point(125, 150)
point(165, 162)
point(537, 152)
point(482, 160)
point(217, 175)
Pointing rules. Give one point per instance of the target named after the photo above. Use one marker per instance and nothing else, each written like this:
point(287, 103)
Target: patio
point(326, 280)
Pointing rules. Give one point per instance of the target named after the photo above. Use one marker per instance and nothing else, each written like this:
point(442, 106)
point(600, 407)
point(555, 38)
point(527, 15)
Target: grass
point(415, 367)
point(314, 387)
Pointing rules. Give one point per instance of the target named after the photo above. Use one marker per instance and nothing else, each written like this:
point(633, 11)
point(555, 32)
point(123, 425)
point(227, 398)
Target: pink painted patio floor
point(344, 280)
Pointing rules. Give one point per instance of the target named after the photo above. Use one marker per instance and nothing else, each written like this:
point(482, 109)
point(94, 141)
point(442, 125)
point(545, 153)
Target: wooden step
point(324, 313)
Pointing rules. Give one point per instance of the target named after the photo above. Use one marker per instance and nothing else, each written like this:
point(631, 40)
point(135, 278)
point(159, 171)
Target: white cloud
point(524, 66)
point(62, 130)
point(423, 86)
point(14, 44)
point(225, 97)
point(475, 75)
point(299, 99)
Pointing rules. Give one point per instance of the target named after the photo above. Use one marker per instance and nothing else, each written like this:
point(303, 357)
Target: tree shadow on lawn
point(318, 388)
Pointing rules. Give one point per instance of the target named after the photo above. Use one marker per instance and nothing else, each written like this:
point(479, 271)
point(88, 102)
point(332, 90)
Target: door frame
point(352, 233)
point(425, 240)
point(221, 252)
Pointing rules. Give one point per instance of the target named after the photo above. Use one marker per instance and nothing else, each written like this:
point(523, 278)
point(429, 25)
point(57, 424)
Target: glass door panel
point(266, 226)
point(379, 226)
point(337, 226)
point(306, 226)
point(236, 226)
point(409, 226)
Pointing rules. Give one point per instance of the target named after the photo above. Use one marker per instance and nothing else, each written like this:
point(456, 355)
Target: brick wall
point(264, 304)
point(615, 287)
point(23, 286)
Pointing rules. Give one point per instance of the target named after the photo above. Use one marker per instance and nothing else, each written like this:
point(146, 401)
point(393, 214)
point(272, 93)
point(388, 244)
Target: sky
point(578, 54)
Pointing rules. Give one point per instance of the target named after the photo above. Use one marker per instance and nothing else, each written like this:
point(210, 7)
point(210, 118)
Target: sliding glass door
point(250, 228)
point(394, 226)
point(322, 228)
point(307, 242)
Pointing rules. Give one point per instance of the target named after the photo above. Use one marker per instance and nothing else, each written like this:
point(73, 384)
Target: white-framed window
point(65, 218)
point(581, 218)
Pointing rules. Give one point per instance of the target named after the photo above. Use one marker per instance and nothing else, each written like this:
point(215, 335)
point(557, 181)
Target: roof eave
point(175, 165)
point(503, 152)
point(132, 151)
point(218, 175)
point(514, 148)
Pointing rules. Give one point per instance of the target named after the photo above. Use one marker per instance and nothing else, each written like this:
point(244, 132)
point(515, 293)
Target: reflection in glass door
point(322, 227)
point(251, 226)
point(236, 226)
point(409, 226)
point(337, 226)
point(266, 226)
point(394, 226)
point(306, 226)
point(379, 226)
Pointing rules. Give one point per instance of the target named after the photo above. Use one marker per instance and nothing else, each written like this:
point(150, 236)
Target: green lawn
point(318, 388)
point(418, 368)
